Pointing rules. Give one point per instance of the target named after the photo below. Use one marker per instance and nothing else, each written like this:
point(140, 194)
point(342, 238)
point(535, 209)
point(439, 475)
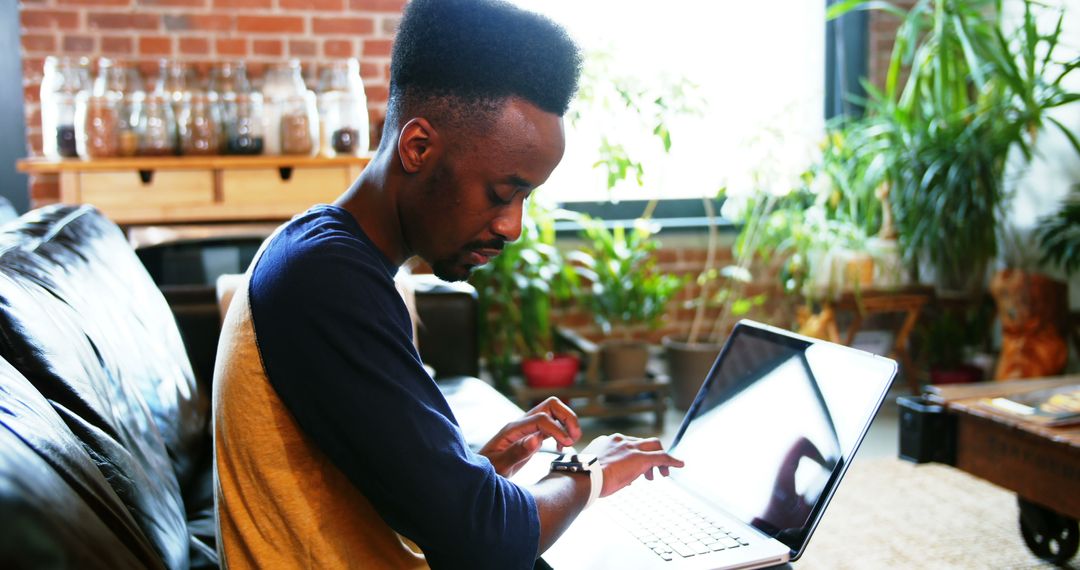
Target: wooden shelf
point(46, 166)
point(194, 189)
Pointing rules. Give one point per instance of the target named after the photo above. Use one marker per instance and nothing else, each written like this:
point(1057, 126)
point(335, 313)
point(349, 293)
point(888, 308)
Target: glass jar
point(155, 126)
point(123, 84)
point(282, 83)
point(343, 114)
point(62, 81)
point(299, 125)
point(243, 116)
point(175, 79)
point(198, 123)
point(97, 126)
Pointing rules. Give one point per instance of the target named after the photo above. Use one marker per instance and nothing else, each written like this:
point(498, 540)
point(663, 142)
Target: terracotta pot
point(1031, 308)
point(624, 359)
point(688, 365)
point(559, 371)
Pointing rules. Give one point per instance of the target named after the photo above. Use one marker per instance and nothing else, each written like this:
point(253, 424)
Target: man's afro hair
point(483, 50)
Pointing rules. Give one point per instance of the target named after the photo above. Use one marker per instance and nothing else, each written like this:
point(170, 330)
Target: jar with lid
point(243, 117)
point(343, 110)
point(284, 82)
point(62, 81)
point(175, 79)
point(198, 125)
point(242, 110)
point(156, 126)
point(123, 84)
point(299, 125)
point(97, 126)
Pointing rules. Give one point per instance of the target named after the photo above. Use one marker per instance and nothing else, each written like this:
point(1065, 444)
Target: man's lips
point(481, 256)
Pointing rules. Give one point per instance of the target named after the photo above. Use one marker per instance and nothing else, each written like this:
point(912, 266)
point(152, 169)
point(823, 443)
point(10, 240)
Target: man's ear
point(418, 144)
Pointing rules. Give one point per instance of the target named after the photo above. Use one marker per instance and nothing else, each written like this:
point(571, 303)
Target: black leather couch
point(105, 451)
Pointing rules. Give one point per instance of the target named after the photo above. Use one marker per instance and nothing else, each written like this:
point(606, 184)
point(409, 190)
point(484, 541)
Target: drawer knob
point(285, 172)
point(146, 176)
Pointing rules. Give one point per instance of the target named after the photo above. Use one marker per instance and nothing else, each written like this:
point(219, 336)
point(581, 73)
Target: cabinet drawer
point(297, 188)
point(131, 190)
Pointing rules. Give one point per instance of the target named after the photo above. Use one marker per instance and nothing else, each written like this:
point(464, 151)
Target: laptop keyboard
point(668, 526)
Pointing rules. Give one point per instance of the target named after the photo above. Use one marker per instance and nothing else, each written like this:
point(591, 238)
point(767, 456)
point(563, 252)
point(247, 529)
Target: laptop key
point(683, 550)
point(699, 547)
point(667, 556)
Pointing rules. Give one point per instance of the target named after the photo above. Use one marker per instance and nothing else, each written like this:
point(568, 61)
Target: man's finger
point(558, 410)
point(540, 423)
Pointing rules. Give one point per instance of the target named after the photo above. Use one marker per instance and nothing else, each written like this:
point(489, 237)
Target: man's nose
point(507, 223)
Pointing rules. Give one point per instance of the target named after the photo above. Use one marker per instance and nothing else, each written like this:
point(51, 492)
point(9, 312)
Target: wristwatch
point(582, 463)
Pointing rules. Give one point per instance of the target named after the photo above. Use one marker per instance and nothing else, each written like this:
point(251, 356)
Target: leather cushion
point(83, 322)
point(56, 509)
point(76, 257)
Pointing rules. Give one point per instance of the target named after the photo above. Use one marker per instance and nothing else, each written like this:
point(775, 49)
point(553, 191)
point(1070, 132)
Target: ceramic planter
point(1030, 308)
point(624, 359)
point(559, 371)
point(688, 364)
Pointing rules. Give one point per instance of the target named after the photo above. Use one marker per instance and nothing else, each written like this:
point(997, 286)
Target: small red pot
point(558, 372)
point(963, 374)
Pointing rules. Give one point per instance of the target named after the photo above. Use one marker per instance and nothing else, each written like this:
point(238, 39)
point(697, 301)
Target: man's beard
point(452, 269)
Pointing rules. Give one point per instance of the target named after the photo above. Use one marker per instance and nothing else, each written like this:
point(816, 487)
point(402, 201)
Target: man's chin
point(452, 272)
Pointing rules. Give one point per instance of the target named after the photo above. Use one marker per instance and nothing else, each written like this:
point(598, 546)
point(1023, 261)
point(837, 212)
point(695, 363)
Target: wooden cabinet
point(200, 189)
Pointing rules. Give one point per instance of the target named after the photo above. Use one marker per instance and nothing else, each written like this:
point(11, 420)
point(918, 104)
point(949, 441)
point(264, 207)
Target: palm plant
point(973, 93)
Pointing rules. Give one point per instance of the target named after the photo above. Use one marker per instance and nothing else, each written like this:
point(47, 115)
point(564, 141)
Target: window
point(758, 67)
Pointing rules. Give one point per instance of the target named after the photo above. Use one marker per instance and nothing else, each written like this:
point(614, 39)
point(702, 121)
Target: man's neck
point(372, 200)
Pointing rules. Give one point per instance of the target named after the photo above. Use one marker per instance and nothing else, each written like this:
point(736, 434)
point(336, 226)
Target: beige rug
point(893, 514)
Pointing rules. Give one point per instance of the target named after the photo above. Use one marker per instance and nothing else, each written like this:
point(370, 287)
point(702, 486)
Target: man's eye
point(502, 196)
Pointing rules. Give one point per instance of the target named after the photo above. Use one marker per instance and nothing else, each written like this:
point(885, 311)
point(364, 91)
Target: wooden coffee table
point(1040, 464)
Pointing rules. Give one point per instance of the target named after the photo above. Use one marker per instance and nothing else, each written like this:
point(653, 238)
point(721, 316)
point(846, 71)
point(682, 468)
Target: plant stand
point(591, 396)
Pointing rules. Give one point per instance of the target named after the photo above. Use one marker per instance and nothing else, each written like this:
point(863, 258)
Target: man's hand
point(626, 458)
point(519, 440)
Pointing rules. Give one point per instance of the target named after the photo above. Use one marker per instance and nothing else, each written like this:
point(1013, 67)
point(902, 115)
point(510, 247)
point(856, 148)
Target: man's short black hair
point(458, 60)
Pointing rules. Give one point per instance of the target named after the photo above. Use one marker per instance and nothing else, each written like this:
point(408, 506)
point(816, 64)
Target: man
point(333, 447)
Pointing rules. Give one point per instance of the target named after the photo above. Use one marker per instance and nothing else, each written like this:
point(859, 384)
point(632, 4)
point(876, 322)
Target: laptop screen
point(775, 425)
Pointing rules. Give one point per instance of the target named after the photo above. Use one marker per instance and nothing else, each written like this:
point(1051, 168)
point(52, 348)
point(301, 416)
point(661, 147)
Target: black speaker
point(927, 431)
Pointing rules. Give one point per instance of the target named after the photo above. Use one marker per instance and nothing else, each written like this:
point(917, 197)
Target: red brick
point(33, 116)
point(302, 48)
point(173, 3)
point(94, 2)
point(78, 44)
point(370, 70)
point(33, 68)
point(343, 26)
point(377, 47)
point(389, 26)
point(116, 45)
point(339, 48)
point(194, 46)
point(267, 47)
point(377, 5)
point(218, 4)
point(377, 93)
point(326, 5)
point(270, 24)
point(44, 189)
point(155, 45)
point(231, 46)
point(122, 21)
point(39, 42)
point(204, 22)
point(32, 18)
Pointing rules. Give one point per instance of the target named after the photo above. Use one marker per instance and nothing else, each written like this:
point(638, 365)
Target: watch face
point(574, 462)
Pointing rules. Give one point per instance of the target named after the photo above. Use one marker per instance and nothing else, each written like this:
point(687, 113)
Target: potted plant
point(962, 92)
point(623, 290)
point(516, 290)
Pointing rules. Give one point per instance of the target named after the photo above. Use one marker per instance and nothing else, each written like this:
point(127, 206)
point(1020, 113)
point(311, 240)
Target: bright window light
point(759, 71)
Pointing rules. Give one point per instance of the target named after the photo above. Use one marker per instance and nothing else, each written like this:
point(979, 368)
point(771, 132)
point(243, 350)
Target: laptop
point(766, 441)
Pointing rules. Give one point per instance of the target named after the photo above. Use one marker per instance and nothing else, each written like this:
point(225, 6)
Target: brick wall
point(882, 34)
point(258, 32)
